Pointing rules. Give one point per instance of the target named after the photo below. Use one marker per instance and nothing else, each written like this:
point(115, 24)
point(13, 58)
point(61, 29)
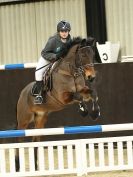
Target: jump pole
point(18, 66)
point(66, 130)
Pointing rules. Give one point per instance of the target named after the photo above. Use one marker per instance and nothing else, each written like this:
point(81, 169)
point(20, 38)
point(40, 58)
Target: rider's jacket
point(53, 47)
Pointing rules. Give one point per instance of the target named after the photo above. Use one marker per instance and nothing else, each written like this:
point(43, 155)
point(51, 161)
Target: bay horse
point(69, 76)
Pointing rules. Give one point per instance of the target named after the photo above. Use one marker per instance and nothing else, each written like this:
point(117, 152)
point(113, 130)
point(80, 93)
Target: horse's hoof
point(95, 115)
point(83, 113)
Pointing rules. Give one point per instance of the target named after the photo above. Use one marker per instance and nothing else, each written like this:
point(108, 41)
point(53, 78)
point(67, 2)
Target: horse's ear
point(91, 41)
point(83, 42)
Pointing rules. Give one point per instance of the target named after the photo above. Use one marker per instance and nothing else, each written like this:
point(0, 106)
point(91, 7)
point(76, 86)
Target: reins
point(43, 66)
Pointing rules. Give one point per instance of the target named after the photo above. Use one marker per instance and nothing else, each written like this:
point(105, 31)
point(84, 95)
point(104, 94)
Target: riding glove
point(61, 53)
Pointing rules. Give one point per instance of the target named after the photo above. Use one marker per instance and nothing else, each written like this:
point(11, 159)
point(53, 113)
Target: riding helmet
point(63, 25)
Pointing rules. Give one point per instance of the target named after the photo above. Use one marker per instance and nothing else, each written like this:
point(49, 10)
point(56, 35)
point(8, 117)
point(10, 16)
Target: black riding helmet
point(63, 25)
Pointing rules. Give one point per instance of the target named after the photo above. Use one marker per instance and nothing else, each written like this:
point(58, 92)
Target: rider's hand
point(59, 55)
point(62, 52)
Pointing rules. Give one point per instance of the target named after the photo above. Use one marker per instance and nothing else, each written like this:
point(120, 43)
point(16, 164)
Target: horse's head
point(79, 61)
point(85, 58)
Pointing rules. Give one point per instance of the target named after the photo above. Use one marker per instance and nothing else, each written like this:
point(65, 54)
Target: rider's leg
point(39, 78)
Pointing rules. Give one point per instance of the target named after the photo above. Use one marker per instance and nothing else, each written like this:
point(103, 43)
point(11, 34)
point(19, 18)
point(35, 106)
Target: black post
point(96, 19)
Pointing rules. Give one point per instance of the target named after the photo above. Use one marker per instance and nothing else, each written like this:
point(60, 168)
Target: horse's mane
point(76, 40)
point(89, 41)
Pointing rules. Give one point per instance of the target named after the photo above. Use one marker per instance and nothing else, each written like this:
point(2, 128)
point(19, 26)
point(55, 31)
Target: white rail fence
point(68, 156)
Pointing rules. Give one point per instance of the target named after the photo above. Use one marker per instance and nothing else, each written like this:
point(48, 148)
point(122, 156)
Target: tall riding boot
point(39, 99)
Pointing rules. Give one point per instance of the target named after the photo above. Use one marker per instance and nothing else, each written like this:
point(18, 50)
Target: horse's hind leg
point(40, 121)
point(23, 123)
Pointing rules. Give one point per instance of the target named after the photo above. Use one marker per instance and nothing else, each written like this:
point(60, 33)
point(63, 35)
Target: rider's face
point(64, 34)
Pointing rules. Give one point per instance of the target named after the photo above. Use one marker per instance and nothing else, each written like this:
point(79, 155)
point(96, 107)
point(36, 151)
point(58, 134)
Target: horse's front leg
point(95, 112)
point(83, 109)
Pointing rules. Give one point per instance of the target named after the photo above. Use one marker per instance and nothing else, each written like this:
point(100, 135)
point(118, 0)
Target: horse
point(69, 76)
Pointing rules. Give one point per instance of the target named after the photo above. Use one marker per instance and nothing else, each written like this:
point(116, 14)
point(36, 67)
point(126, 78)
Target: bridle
point(79, 66)
point(80, 57)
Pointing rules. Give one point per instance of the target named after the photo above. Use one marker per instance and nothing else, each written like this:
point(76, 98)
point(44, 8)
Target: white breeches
point(39, 73)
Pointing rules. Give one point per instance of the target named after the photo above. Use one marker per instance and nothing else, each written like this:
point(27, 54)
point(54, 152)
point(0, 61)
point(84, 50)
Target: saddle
point(47, 78)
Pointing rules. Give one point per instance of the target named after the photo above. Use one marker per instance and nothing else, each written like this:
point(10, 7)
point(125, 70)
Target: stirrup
point(38, 99)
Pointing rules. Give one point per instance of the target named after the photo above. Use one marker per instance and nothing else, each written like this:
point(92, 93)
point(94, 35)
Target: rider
point(55, 48)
